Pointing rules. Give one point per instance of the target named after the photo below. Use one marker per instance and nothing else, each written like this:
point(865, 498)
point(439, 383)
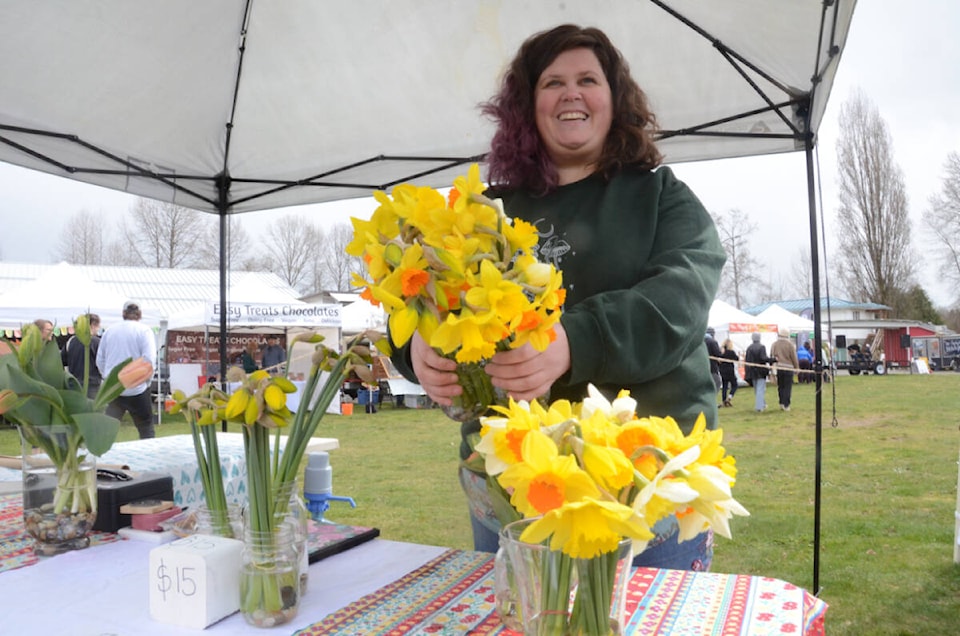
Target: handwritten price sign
point(195, 582)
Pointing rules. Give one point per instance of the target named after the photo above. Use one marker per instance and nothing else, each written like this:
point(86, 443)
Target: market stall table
point(380, 586)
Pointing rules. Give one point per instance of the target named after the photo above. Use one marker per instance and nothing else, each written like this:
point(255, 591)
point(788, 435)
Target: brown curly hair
point(518, 158)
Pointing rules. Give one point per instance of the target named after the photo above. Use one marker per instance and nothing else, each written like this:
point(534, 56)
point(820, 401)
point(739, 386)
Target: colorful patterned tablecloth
point(16, 546)
point(453, 594)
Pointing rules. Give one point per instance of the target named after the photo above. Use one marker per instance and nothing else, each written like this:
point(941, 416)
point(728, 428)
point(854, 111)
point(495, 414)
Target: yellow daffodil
point(588, 528)
point(544, 479)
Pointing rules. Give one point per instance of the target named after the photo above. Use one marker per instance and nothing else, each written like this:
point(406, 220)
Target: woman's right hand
point(437, 375)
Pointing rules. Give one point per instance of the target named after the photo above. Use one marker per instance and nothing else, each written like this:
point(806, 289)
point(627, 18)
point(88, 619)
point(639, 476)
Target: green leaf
point(110, 388)
point(35, 410)
point(99, 431)
point(50, 365)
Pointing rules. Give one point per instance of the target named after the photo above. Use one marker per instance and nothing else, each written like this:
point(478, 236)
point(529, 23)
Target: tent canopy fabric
point(236, 105)
point(785, 319)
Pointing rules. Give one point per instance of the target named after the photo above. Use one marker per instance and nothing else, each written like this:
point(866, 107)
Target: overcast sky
point(904, 56)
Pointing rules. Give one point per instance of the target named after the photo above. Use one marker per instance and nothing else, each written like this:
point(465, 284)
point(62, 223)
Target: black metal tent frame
point(797, 109)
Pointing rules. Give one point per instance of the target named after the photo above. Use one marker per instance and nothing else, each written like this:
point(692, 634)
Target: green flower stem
point(262, 591)
point(207, 450)
point(306, 421)
point(476, 384)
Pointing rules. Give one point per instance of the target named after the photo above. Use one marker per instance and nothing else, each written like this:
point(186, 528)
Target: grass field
point(889, 491)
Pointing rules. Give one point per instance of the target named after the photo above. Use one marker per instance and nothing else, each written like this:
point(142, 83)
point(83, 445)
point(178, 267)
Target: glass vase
point(298, 518)
point(269, 577)
point(505, 591)
point(59, 488)
point(560, 594)
point(222, 523)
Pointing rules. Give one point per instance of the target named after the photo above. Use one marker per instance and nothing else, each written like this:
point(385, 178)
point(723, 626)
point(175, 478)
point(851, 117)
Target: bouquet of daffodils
point(593, 473)
point(460, 272)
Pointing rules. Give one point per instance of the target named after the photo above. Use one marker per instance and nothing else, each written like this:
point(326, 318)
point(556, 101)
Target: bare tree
point(335, 267)
point(291, 243)
point(81, 240)
point(163, 234)
point(942, 222)
point(740, 270)
point(876, 261)
point(242, 253)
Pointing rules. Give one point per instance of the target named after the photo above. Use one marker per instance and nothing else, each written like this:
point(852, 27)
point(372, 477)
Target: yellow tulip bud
point(81, 329)
point(237, 404)
point(252, 412)
point(274, 397)
point(285, 385)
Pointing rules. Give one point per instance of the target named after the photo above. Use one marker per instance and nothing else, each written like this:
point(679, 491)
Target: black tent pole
point(223, 189)
point(818, 348)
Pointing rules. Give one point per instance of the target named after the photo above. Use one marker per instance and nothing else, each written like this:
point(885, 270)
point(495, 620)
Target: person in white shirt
point(130, 339)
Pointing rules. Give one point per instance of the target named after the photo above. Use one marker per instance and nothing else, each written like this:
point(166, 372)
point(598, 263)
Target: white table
point(105, 590)
point(174, 455)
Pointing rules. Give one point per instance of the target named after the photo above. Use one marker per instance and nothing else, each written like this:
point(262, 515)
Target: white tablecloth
point(105, 590)
point(174, 455)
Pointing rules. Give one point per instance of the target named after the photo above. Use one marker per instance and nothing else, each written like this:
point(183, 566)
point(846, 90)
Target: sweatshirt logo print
point(552, 247)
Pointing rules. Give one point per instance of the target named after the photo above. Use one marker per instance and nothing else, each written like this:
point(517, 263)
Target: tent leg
point(818, 354)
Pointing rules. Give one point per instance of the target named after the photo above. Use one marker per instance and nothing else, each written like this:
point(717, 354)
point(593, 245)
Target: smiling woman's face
point(574, 109)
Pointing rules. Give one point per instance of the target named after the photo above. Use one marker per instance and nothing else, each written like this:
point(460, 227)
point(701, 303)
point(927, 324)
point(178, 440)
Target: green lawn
point(889, 485)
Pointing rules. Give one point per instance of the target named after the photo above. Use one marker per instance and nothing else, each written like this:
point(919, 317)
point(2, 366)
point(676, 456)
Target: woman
point(728, 372)
point(574, 154)
point(249, 358)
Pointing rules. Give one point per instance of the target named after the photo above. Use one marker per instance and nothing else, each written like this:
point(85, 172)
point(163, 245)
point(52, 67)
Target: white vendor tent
point(61, 294)
point(361, 315)
point(786, 319)
point(737, 325)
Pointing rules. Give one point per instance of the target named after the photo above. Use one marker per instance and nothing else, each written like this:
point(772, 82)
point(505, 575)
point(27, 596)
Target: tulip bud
point(30, 345)
point(81, 329)
point(135, 373)
point(8, 400)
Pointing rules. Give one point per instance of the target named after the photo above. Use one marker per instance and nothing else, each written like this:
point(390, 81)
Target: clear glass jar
point(269, 577)
point(298, 517)
point(59, 494)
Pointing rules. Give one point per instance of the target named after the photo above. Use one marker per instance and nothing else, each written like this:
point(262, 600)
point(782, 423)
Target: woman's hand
point(437, 375)
point(525, 373)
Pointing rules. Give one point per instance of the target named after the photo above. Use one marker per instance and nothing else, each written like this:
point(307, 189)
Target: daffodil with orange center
point(545, 479)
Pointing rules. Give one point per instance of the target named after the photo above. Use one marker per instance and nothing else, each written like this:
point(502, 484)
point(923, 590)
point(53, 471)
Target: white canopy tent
point(60, 295)
point(238, 105)
point(739, 326)
point(786, 319)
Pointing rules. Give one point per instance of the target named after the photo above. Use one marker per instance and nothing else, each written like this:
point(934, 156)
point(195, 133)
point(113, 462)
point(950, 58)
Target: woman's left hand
point(525, 373)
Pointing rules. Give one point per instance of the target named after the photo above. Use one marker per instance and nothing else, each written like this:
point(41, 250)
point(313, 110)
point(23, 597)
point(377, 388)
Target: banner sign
point(276, 315)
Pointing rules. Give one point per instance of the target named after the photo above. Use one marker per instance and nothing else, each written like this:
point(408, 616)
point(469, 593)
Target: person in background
point(130, 339)
point(76, 362)
point(574, 154)
point(785, 354)
point(756, 370)
point(713, 350)
point(45, 327)
point(248, 359)
point(805, 357)
point(273, 355)
point(728, 372)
